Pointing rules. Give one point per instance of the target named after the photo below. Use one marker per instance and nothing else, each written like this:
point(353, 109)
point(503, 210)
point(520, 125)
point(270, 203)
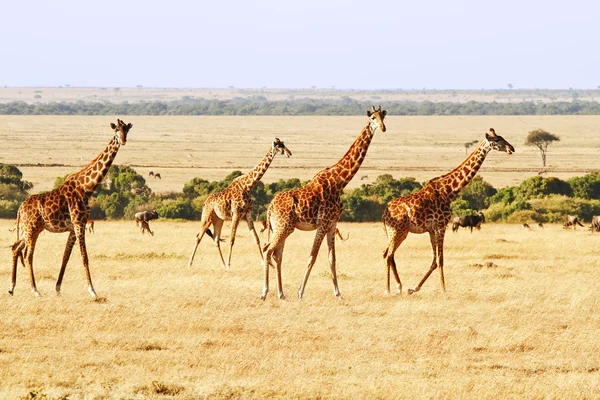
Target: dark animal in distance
point(157, 176)
point(469, 221)
point(151, 173)
point(526, 226)
point(144, 226)
point(146, 216)
point(572, 221)
point(540, 225)
point(89, 225)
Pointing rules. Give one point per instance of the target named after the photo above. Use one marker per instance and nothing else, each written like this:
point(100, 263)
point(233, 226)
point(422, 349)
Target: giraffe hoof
point(410, 291)
point(281, 296)
point(10, 292)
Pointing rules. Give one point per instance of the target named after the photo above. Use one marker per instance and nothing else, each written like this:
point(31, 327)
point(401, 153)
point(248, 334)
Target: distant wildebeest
point(469, 221)
point(144, 226)
point(540, 225)
point(595, 226)
point(526, 226)
point(572, 221)
point(157, 176)
point(89, 225)
point(151, 173)
point(146, 216)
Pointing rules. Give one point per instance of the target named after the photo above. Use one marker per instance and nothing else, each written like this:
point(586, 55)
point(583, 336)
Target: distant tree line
point(259, 105)
point(124, 192)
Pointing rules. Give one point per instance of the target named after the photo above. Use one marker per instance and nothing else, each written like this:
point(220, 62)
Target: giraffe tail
point(212, 236)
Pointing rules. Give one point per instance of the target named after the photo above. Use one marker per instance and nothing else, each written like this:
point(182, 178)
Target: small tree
point(541, 139)
point(468, 145)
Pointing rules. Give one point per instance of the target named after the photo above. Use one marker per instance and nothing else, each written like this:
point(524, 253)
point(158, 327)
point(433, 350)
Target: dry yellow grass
point(520, 319)
point(181, 148)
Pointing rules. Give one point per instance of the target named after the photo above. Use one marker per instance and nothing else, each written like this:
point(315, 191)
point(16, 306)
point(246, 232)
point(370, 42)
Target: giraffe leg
point(80, 234)
point(274, 251)
point(67, 254)
point(332, 259)
point(266, 264)
point(218, 225)
point(278, 257)
point(440, 252)
point(235, 221)
point(250, 222)
point(394, 241)
point(17, 253)
point(205, 223)
point(433, 238)
point(321, 231)
point(29, 249)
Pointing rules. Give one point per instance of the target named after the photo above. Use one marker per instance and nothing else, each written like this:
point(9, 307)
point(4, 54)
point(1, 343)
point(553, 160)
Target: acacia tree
point(541, 139)
point(470, 144)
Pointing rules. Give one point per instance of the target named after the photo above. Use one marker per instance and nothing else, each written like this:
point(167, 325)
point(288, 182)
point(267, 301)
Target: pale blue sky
point(471, 44)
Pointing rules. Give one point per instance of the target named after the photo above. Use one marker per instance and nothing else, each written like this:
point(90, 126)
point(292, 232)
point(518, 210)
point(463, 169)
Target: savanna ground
point(181, 148)
point(520, 318)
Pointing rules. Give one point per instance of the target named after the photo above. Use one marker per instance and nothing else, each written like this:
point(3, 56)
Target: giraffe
point(64, 209)
point(317, 205)
point(234, 203)
point(428, 210)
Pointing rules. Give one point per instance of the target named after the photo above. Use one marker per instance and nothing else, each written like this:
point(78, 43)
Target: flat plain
point(181, 148)
point(520, 319)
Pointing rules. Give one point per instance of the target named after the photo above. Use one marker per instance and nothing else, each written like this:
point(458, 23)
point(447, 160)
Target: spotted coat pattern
point(235, 203)
point(317, 205)
point(428, 210)
point(64, 209)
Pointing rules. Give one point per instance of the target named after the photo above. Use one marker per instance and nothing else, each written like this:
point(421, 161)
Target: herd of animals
point(314, 206)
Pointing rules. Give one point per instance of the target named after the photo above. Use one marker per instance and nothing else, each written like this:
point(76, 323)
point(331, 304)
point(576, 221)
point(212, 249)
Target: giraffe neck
point(90, 177)
point(250, 179)
point(344, 170)
point(454, 181)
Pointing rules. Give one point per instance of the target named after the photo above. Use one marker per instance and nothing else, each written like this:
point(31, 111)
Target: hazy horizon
point(385, 45)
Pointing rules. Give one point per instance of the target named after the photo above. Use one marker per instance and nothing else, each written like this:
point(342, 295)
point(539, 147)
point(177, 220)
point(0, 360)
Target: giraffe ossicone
point(428, 210)
point(316, 206)
point(64, 209)
point(234, 204)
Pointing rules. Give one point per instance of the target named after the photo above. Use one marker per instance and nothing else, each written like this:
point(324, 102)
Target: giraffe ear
point(129, 126)
point(383, 113)
point(113, 126)
point(369, 113)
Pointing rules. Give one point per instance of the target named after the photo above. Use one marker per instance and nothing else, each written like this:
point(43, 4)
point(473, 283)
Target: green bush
point(587, 186)
point(176, 208)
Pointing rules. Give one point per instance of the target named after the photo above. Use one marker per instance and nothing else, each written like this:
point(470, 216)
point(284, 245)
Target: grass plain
point(181, 148)
point(520, 319)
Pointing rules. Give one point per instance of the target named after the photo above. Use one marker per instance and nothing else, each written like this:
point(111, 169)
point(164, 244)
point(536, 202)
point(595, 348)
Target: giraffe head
point(497, 142)
point(376, 118)
point(121, 130)
point(279, 147)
